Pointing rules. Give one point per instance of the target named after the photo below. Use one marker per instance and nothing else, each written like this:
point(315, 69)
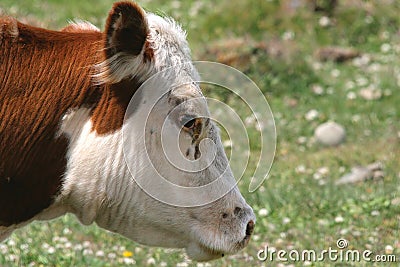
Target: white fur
point(168, 42)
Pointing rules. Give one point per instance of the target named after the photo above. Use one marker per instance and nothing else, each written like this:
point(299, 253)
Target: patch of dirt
point(242, 53)
point(337, 54)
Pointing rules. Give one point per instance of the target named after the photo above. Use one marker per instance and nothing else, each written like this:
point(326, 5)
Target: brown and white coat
point(63, 99)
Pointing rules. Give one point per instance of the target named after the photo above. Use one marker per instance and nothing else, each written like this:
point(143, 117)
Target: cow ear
point(126, 29)
point(125, 44)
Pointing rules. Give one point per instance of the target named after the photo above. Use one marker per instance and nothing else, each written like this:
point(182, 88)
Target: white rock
point(330, 134)
point(360, 173)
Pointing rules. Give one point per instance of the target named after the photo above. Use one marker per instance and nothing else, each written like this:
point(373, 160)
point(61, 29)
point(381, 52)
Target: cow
point(64, 99)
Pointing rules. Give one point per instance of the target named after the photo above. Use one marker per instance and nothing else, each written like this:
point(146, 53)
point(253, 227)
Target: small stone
point(373, 171)
point(336, 54)
point(358, 174)
point(330, 134)
point(396, 201)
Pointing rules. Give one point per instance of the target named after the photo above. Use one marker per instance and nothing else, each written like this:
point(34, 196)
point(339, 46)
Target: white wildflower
point(51, 250)
point(317, 89)
point(375, 213)
point(99, 253)
point(24, 247)
point(335, 73)
point(129, 261)
point(339, 219)
point(301, 169)
point(151, 261)
point(351, 95)
point(324, 21)
point(288, 35)
point(111, 255)
point(389, 249)
point(67, 231)
point(369, 19)
point(87, 251)
point(263, 212)
point(227, 143)
point(311, 115)
point(385, 48)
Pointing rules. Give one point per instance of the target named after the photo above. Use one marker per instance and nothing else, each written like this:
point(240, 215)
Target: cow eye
point(189, 124)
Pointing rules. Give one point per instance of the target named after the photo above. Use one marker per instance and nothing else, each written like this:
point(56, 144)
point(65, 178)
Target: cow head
point(172, 186)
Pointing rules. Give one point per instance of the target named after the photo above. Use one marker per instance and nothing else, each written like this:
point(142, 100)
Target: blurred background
point(330, 70)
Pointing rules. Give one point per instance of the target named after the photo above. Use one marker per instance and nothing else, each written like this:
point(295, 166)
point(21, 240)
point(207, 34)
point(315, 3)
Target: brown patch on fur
point(197, 153)
point(109, 114)
point(44, 74)
point(197, 128)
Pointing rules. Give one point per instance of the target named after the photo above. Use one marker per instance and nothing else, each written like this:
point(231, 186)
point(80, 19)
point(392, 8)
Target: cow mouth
point(205, 253)
point(199, 251)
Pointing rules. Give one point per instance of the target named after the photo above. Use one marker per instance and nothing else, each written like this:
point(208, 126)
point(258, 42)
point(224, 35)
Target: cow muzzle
point(228, 235)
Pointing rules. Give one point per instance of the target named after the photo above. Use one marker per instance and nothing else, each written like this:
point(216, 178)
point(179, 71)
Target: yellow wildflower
point(127, 254)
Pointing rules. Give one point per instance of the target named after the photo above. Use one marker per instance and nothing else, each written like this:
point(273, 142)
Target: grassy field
point(299, 206)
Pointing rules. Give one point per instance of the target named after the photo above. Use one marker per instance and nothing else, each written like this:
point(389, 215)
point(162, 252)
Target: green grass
point(305, 209)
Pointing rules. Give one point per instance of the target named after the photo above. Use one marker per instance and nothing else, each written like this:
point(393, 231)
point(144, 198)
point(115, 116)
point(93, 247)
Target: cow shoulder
point(44, 74)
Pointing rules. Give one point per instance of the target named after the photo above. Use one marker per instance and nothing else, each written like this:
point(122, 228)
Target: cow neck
point(108, 115)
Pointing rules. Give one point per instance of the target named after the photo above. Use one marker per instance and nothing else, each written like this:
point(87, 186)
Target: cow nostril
point(237, 211)
point(249, 228)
